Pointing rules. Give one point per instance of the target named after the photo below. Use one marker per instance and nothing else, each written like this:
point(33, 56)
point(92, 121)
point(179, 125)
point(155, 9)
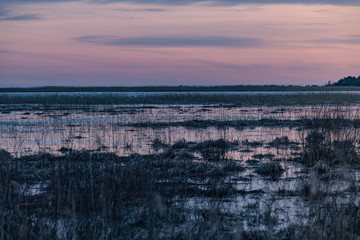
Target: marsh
point(192, 168)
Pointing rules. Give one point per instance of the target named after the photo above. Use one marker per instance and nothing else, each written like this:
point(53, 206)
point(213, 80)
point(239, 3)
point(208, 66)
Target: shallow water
point(26, 131)
point(30, 129)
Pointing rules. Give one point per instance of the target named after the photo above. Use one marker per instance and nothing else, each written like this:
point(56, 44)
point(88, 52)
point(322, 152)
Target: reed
point(297, 188)
point(293, 99)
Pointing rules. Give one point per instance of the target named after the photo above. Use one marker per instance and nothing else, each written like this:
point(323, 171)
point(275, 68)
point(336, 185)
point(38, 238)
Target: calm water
point(28, 131)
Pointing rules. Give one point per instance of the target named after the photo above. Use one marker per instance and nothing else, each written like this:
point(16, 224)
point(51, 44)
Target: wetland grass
point(293, 99)
point(91, 195)
point(273, 169)
point(319, 147)
point(184, 189)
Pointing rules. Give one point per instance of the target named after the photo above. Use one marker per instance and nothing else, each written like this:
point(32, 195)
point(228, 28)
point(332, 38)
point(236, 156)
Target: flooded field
point(132, 128)
point(180, 171)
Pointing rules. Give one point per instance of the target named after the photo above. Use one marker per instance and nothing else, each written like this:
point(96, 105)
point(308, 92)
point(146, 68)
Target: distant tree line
point(180, 88)
point(347, 81)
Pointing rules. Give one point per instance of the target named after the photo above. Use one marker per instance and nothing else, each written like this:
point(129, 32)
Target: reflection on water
point(31, 131)
point(108, 128)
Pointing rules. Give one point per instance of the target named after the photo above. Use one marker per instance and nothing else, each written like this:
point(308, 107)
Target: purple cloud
point(208, 41)
point(220, 2)
point(24, 17)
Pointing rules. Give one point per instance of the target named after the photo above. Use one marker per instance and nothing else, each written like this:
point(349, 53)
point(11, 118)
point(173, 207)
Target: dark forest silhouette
point(347, 81)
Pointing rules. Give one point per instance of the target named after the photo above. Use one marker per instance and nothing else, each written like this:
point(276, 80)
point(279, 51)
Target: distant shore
point(223, 88)
point(245, 98)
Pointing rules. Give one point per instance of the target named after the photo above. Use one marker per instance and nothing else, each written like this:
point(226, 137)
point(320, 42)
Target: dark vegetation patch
point(157, 144)
point(321, 167)
point(211, 150)
point(252, 162)
point(5, 156)
point(264, 156)
point(108, 98)
point(282, 142)
point(320, 147)
point(330, 221)
point(253, 144)
point(91, 193)
point(314, 123)
point(273, 169)
point(134, 195)
point(247, 150)
point(78, 137)
point(65, 150)
point(214, 150)
point(347, 81)
point(288, 193)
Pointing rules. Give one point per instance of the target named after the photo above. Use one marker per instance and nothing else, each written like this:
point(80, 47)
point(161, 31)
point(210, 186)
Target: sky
point(174, 42)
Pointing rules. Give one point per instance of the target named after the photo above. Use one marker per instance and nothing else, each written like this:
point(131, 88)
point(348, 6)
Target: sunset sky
point(173, 42)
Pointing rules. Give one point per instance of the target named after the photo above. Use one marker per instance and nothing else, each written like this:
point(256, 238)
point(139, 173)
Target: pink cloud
point(188, 44)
